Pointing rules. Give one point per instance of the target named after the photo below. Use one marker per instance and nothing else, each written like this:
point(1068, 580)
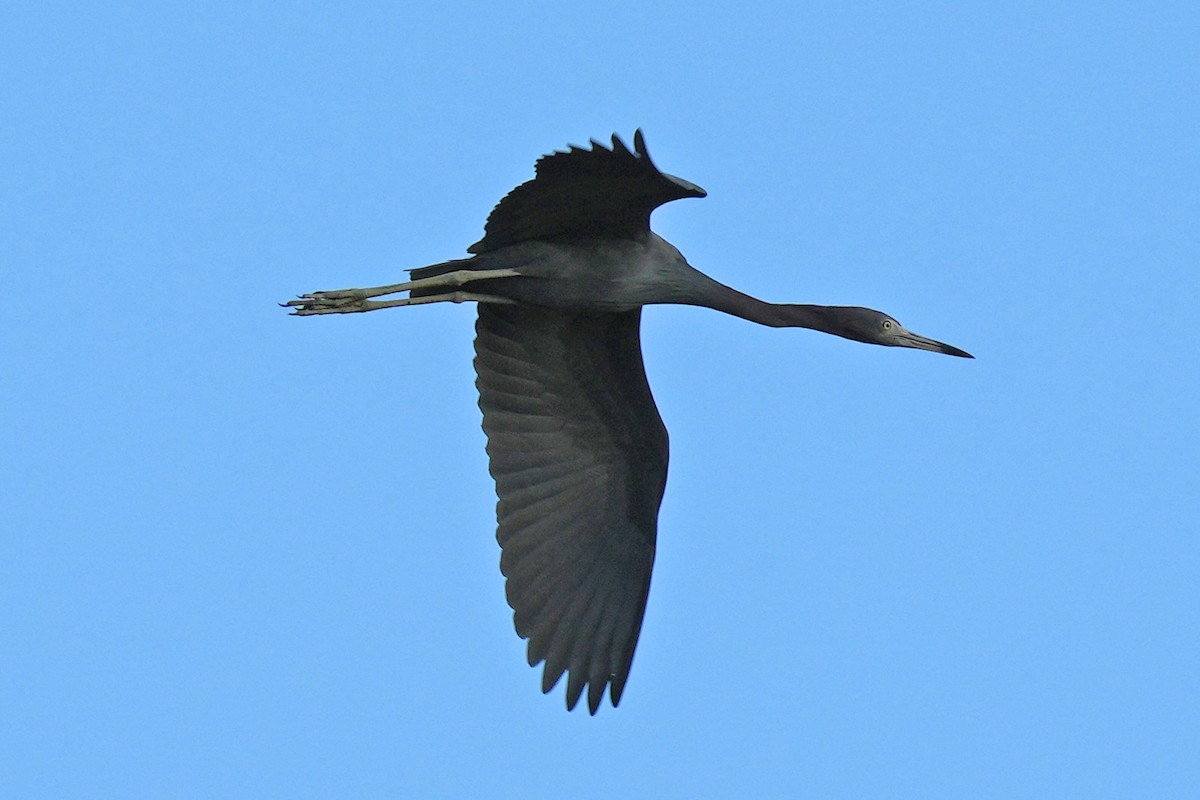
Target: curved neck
point(720, 297)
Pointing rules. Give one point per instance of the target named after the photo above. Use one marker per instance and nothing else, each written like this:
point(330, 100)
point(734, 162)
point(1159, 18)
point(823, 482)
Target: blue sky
point(248, 555)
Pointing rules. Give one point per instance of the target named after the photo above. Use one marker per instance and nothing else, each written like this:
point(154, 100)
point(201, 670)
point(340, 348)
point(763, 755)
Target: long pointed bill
point(910, 339)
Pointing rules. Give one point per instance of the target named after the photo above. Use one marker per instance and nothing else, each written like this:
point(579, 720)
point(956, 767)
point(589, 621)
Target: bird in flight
point(574, 440)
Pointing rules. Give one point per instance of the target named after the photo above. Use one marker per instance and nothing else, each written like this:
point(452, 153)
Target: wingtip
point(619, 146)
point(575, 686)
point(639, 143)
point(616, 688)
point(596, 695)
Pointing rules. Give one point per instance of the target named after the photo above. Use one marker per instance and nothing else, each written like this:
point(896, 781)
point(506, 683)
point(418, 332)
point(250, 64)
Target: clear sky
point(249, 555)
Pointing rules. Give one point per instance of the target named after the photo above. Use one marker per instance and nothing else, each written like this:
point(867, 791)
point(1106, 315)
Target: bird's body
point(575, 443)
point(588, 275)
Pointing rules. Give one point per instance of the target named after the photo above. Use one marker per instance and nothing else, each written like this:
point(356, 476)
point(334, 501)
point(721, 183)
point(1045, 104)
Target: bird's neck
point(776, 315)
point(792, 315)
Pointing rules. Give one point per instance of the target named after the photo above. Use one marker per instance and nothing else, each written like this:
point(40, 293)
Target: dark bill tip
point(954, 351)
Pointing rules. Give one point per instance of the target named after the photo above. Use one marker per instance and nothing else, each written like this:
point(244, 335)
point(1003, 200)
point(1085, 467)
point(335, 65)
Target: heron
point(575, 442)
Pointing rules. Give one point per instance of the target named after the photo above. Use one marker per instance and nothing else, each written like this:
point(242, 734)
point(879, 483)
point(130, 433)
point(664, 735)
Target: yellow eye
point(887, 324)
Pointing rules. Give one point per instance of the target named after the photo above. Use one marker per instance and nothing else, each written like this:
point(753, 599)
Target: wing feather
point(579, 455)
point(584, 193)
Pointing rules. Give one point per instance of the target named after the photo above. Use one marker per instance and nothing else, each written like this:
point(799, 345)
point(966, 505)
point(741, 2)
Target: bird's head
point(875, 327)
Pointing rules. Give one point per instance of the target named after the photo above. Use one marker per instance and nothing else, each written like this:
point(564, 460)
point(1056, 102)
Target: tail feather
point(487, 261)
point(433, 270)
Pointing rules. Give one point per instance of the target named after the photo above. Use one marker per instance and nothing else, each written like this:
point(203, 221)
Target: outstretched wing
point(579, 455)
point(584, 193)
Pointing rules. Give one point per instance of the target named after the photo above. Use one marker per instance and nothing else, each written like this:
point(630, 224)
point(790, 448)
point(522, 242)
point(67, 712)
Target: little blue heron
point(574, 440)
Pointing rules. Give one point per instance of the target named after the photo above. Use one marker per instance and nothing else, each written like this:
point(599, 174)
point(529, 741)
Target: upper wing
point(584, 193)
point(579, 455)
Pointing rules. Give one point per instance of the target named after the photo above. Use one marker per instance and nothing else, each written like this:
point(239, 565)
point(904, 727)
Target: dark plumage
point(576, 445)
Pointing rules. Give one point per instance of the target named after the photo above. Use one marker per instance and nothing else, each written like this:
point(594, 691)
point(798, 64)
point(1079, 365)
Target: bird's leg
point(314, 305)
point(349, 301)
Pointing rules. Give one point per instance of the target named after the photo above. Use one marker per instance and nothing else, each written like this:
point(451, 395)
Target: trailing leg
point(350, 301)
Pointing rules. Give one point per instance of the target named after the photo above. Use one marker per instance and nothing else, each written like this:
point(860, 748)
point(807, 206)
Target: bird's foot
point(341, 301)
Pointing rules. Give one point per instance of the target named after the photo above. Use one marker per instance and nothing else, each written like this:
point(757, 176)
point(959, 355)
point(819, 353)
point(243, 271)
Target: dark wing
point(579, 455)
point(584, 193)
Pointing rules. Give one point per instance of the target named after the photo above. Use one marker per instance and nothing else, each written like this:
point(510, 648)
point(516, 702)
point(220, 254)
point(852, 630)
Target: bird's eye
point(887, 324)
